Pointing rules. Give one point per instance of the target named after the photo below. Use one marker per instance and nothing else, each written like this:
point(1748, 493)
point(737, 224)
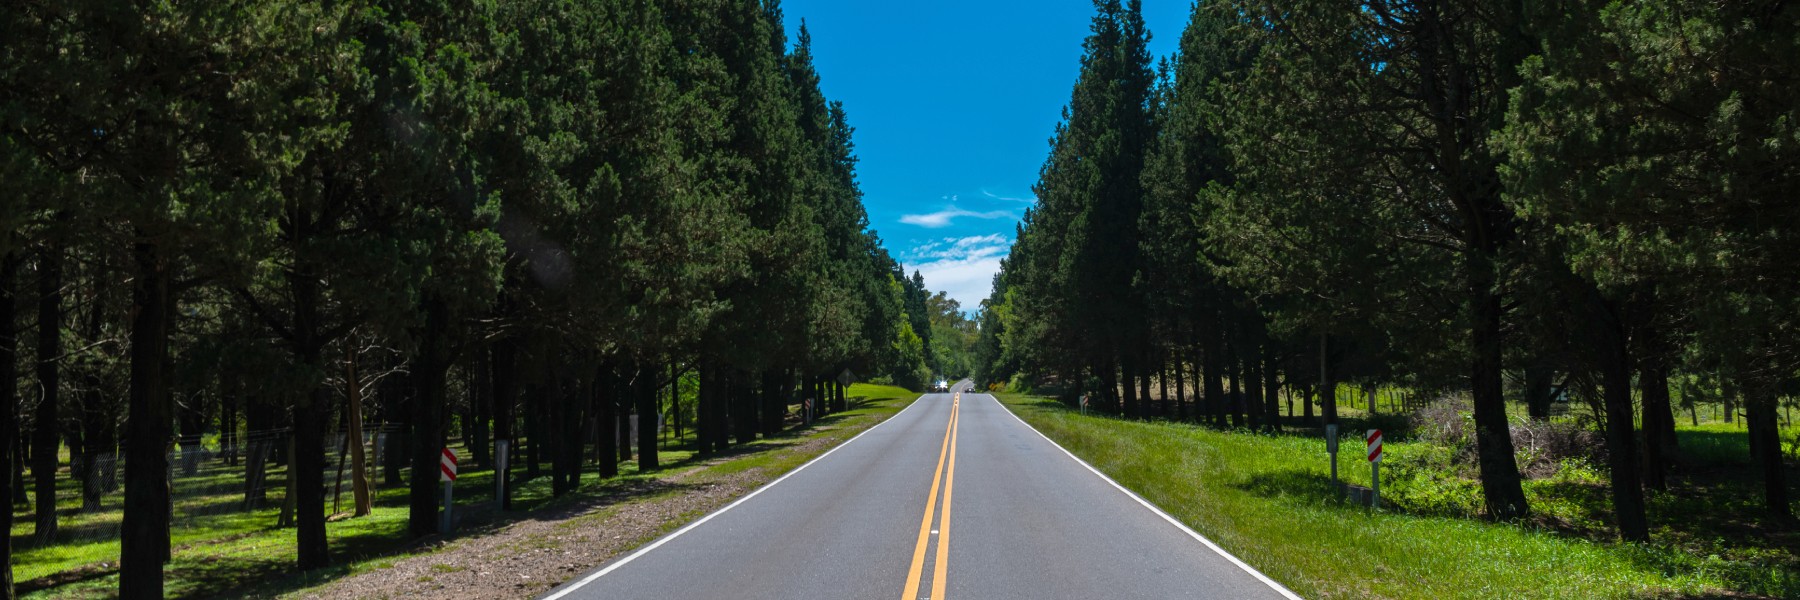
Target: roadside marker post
point(1375, 455)
point(447, 474)
point(500, 450)
point(1331, 446)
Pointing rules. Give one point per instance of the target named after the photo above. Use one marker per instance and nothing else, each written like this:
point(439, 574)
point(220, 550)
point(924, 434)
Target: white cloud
point(1030, 200)
point(963, 268)
point(944, 218)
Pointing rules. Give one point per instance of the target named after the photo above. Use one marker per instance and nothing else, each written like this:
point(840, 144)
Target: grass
point(1269, 500)
point(220, 549)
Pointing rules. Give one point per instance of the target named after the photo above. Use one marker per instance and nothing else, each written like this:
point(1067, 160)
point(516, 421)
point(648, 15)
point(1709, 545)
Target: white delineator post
point(500, 449)
point(447, 474)
point(1331, 447)
point(1375, 467)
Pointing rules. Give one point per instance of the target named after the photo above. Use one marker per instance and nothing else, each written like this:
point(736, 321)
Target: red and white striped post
point(1375, 467)
point(446, 474)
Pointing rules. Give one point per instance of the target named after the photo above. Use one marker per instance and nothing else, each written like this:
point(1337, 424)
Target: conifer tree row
point(1586, 197)
point(531, 219)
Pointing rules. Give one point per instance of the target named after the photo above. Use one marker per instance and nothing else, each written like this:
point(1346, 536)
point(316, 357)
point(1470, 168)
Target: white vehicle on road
point(941, 386)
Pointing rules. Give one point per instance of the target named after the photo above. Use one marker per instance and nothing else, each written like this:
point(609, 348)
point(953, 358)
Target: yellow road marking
point(918, 561)
point(943, 545)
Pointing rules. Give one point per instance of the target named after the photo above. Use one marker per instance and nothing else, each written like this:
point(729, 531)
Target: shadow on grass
point(1713, 448)
point(1394, 427)
point(83, 574)
point(1296, 484)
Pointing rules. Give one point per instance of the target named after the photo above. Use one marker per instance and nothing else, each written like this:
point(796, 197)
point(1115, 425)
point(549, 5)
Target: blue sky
point(954, 103)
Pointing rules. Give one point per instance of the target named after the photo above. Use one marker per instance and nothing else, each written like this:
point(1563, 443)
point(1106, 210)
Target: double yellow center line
point(946, 477)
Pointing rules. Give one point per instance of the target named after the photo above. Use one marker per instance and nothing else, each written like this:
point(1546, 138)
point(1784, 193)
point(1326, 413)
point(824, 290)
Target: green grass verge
point(221, 549)
point(1268, 499)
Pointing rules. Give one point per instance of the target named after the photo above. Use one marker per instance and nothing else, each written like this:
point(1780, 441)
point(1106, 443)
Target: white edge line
point(1286, 593)
point(570, 588)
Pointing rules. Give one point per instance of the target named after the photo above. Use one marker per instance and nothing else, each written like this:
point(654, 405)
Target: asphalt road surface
point(953, 497)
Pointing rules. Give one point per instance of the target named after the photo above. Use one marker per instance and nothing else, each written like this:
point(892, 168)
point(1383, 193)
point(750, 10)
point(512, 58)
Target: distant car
point(941, 386)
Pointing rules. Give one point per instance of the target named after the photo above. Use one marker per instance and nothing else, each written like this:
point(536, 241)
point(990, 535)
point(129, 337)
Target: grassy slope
point(225, 550)
point(1269, 500)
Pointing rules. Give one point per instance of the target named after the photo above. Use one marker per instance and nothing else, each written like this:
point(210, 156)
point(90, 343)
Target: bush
point(1544, 446)
point(1541, 446)
point(1446, 422)
point(1020, 384)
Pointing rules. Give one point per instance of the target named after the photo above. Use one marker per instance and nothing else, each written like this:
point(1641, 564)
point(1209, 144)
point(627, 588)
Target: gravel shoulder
point(540, 550)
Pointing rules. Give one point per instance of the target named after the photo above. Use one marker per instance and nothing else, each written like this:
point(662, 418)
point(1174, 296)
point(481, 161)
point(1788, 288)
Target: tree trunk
point(9, 402)
point(1162, 383)
point(621, 426)
point(1272, 390)
point(429, 370)
point(1538, 391)
point(286, 518)
point(1253, 388)
point(558, 432)
point(704, 411)
point(1214, 379)
point(190, 416)
point(1500, 483)
point(1728, 398)
point(1143, 379)
point(46, 434)
point(1128, 380)
point(145, 531)
point(534, 430)
point(774, 405)
point(1765, 445)
point(353, 415)
point(228, 419)
point(1660, 443)
point(607, 398)
point(743, 407)
point(1181, 405)
point(1627, 490)
point(570, 419)
point(311, 412)
point(97, 425)
point(1306, 404)
point(97, 430)
point(1659, 423)
point(1237, 387)
point(505, 378)
point(648, 416)
point(481, 403)
point(1327, 382)
point(1109, 381)
point(258, 426)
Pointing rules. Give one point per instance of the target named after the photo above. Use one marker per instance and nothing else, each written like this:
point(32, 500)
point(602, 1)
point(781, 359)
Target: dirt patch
point(545, 549)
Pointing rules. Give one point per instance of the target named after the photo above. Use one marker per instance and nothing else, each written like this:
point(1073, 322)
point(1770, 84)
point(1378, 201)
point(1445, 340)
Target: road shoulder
point(542, 550)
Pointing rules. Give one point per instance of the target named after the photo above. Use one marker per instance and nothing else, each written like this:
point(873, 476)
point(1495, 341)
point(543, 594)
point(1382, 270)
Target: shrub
point(1544, 446)
point(1541, 446)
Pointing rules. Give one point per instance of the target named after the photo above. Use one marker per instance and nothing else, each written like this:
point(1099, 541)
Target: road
point(953, 497)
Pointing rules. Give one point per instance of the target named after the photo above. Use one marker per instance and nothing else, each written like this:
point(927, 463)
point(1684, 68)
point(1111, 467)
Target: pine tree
point(1655, 140)
point(1078, 265)
point(1376, 181)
